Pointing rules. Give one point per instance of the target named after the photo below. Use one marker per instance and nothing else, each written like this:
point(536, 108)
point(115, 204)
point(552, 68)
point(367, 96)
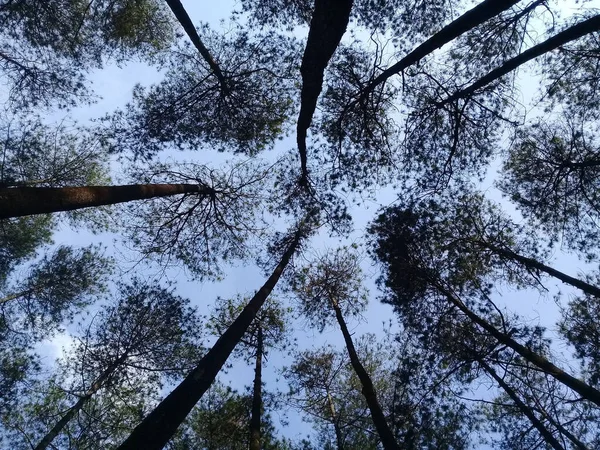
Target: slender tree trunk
point(73, 410)
point(585, 390)
point(469, 20)
point(588, 26)
point(368, 390)
point(185, 21)
point(157, 428)
point(257, 394)
point(339, 437)
point(536, 265)
point(526, 410)
point(24, 201)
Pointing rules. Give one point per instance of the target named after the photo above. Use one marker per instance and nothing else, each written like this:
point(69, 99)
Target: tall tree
point(158, 427)
point(146, 333)
point(269, 331)
point(48, 49)
point(335, 283)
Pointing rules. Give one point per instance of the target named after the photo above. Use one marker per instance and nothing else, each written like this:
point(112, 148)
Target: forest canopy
point(315, 224)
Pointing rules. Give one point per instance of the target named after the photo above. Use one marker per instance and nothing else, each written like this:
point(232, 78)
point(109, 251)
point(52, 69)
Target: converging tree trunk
point(532, 264)
point(385, 433)
point(526, 410)
point(73, 410)
point(339, 437)
point(25, 201)
point(157, 428)
point(327, 26)
point(185, 21)
point(585, 390)
point(588, 26)
point(469, 20)
point(257, 394)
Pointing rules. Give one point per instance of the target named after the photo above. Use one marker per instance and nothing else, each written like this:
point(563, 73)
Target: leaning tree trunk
point(469, 20)
point(187, 24)
point(156, 429)
point(533, 264)
point(25, 201)
point(385, 433)
point(585, 390)
point(526, 410)
point(573, 33)
point(73, 410)
point(257, 394)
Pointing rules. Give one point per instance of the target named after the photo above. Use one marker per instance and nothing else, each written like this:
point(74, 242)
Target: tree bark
point(368, 390)
point(469, 20)
point(257, 394)
point(531, 263)
point(25, 201)
point(157, 428)
point(588, 26)
point(546, 434)
point(327, 26)
point(185, 21)
point(73, 410)
point(585, 390)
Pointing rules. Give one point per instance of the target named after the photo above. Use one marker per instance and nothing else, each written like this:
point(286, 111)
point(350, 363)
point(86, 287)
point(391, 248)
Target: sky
point(114, 85)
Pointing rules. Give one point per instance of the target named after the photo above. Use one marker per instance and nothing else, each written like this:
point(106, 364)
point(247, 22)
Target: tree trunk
point(385, 433)
point(588, 26)
point(185, 21)
point(469, 20)
point(583, 389)
point(562, 430)
point(24, 201)
point(17, 295)
point(327, 26)
point(536, 265)
point(157, 428)
point(339, 438)
point(257, 394)
point(73, 410)
point(546, 434)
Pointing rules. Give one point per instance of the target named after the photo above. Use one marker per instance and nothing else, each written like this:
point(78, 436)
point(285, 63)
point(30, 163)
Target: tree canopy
point(337, 224)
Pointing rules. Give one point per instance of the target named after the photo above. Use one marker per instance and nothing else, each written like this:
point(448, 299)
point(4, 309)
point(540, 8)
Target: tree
point(268, 331)
point(48, 50)
point(321, 386)
point(54, 289)
point(147, 334)
point(551, 174)
point(220, 422)
point(335, 282)
point(156, 429)
point(24, 201)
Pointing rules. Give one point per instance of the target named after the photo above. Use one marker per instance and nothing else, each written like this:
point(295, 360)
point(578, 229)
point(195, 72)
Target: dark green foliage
point(48, 48)
point(19, 240)
point(579, 326)
point(220, 422)
point(189, 109)
point(145, 336)
point(35, 154)
point(333, 278)
point(54, 289)
point(552, 173)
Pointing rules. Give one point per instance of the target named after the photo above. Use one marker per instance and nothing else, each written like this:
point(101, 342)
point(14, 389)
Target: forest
point(312, 224)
